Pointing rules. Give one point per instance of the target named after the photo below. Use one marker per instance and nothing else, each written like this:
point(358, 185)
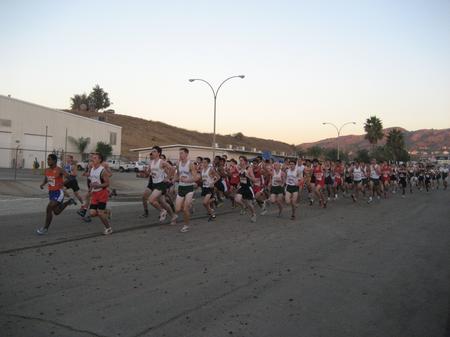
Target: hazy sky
point(305, 62)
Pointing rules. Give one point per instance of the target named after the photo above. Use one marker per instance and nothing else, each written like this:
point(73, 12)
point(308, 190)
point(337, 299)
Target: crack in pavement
point(61, 325)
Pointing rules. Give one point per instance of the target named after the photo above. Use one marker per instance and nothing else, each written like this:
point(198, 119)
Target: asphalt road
point(349, 270)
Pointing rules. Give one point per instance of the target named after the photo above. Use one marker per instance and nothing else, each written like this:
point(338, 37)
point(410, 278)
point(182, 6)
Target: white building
point(26, 128)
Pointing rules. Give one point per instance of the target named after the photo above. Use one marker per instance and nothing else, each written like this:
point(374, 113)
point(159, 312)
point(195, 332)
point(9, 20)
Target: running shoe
point(242, 211)
point(107, 231)
point(72, 202)
point(353, 197)
point(253, 218)
point(212, 217)
point(42, 231)
point(81, 212)
point(87, 219)
point(263, 212)
point(173, 221)
point(162, 215)
point(144, 215)
point(184, 229)
point(369, 200)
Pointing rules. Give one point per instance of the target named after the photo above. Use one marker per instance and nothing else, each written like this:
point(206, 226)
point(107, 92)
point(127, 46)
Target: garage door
point(5, 154)
point(34, 148)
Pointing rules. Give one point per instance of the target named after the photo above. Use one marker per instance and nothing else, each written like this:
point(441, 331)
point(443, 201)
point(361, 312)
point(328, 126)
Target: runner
point(319, 181)
point(245, 196)
point(209, 178)
point(71, 181)
point(277, 182)
point(258, 185)
point(54, 179)
point(99, 178)
point(402, 176)
point(186, 176)
point(159, 169)
point(293, 176)
point(374, 184)
point(357, 173)
point(385, 178)
point(444, 172)
point(147, 192)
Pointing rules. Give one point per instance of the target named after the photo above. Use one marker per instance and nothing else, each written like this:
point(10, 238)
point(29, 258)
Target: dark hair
point(243, 157)
point(184, 149)
point(293, 161)
point(222, 160)
point(233, 160)
point(200, 158)
point(163, 156)
point(207, 159)
point(53, 157)
point(157, 148)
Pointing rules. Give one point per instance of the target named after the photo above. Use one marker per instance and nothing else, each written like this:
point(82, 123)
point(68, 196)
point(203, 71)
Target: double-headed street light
point(338, 133)
point(215, 92)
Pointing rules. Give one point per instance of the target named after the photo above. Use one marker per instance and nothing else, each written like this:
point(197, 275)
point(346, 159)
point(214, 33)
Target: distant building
point(26, 128)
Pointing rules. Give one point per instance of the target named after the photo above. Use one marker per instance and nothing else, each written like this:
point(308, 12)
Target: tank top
point(54, 179)
point(208, 181)
point(258, 178)
point(276, 178)
point(184, 170)
point(373, 172)
point(244, 180)
point(357, 174)
point(157, 172)
point(95, 176)
point(300, 170)
point(318, 173)
point(292, 177)
point(68, 169)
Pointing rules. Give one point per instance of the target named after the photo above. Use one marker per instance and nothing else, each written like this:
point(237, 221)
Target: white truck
point(120, 165)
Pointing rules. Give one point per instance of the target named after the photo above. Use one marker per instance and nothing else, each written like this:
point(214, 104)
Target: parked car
point(82, 165)
point(140, 166)
point(121, 166)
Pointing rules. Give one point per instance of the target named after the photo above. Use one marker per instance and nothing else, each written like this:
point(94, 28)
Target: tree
point(362, 156)
point(396, 144)
point(331, 154)
point(98, 98)
point(300, 153)
point(80, 143)
point(381, 153)
point(78, 101)
point(314, 151)
point(374, 130)
point(104, 149)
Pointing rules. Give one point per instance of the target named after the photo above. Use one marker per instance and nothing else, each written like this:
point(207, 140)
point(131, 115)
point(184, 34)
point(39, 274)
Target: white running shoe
point(162, 215)
point(253, 218)
point(184, 229)
point(42, 231)
point(107, 231)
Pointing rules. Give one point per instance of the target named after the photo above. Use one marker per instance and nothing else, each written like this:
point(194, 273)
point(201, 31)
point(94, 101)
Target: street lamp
point(338, 133)
point(215, 92)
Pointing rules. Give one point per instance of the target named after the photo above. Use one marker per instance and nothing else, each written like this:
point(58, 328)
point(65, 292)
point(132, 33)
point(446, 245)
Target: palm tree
point(80, 143)
point(78, 101)
point(395, 143)
point(374, 130)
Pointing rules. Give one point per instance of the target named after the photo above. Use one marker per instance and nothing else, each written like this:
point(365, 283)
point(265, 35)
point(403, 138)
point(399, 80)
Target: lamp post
point(215, 92)
point(338, 132)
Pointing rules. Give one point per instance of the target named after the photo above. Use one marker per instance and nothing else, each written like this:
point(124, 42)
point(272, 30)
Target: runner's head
point(97, 158)
point(52, 160)
point(69, 158)
point(184, 152)
point(292, 163)
point(315, 162)
point(243, 160)
point(155, 152)
point(206, 161)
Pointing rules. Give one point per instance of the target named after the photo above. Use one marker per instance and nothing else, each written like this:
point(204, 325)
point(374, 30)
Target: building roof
point(59, 111)
point(194, 147)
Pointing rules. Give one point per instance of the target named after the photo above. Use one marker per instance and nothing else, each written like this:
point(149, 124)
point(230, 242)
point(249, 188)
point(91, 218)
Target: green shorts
point(162, 186)
point(292, 188)
point(184, 190)
point(277, 190)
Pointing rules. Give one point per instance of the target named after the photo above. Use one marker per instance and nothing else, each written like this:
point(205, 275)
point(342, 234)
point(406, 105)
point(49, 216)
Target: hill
point(139, 132)
point(428, 140)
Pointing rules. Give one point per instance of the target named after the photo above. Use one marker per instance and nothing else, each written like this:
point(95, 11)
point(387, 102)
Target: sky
point(305, 62)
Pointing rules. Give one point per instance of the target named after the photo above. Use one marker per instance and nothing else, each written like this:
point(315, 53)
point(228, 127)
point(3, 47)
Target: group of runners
point(171, 188)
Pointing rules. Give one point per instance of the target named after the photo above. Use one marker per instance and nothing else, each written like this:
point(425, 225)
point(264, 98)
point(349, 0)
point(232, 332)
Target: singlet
point(185, 171)
point(386, 170)
point(357, 174)
point(292, 177)
point(157, 172)
point(208, 181)
point(373, 172)
point(68, 169)
point(276, 178)
point(318, 173)
point(234, 175)
point(402, 174)
point(258, 178)
point(54, 181)
point(95, 176)
point(300, 170)
point(244, 180)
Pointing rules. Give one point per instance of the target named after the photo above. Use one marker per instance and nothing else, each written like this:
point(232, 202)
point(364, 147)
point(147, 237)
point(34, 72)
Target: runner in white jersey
point(186, 176)
point(444, 173)
point(277, 181)
point(293, 176)
point(209, 177)
point(357, 174)
point(158, 169)
point(374, 184)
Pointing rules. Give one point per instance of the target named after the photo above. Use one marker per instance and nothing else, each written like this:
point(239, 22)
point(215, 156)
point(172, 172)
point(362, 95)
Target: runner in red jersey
point(55, 181)
point(385, 178)
point(258, 185)
point(319, 181)
point(338, 173)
